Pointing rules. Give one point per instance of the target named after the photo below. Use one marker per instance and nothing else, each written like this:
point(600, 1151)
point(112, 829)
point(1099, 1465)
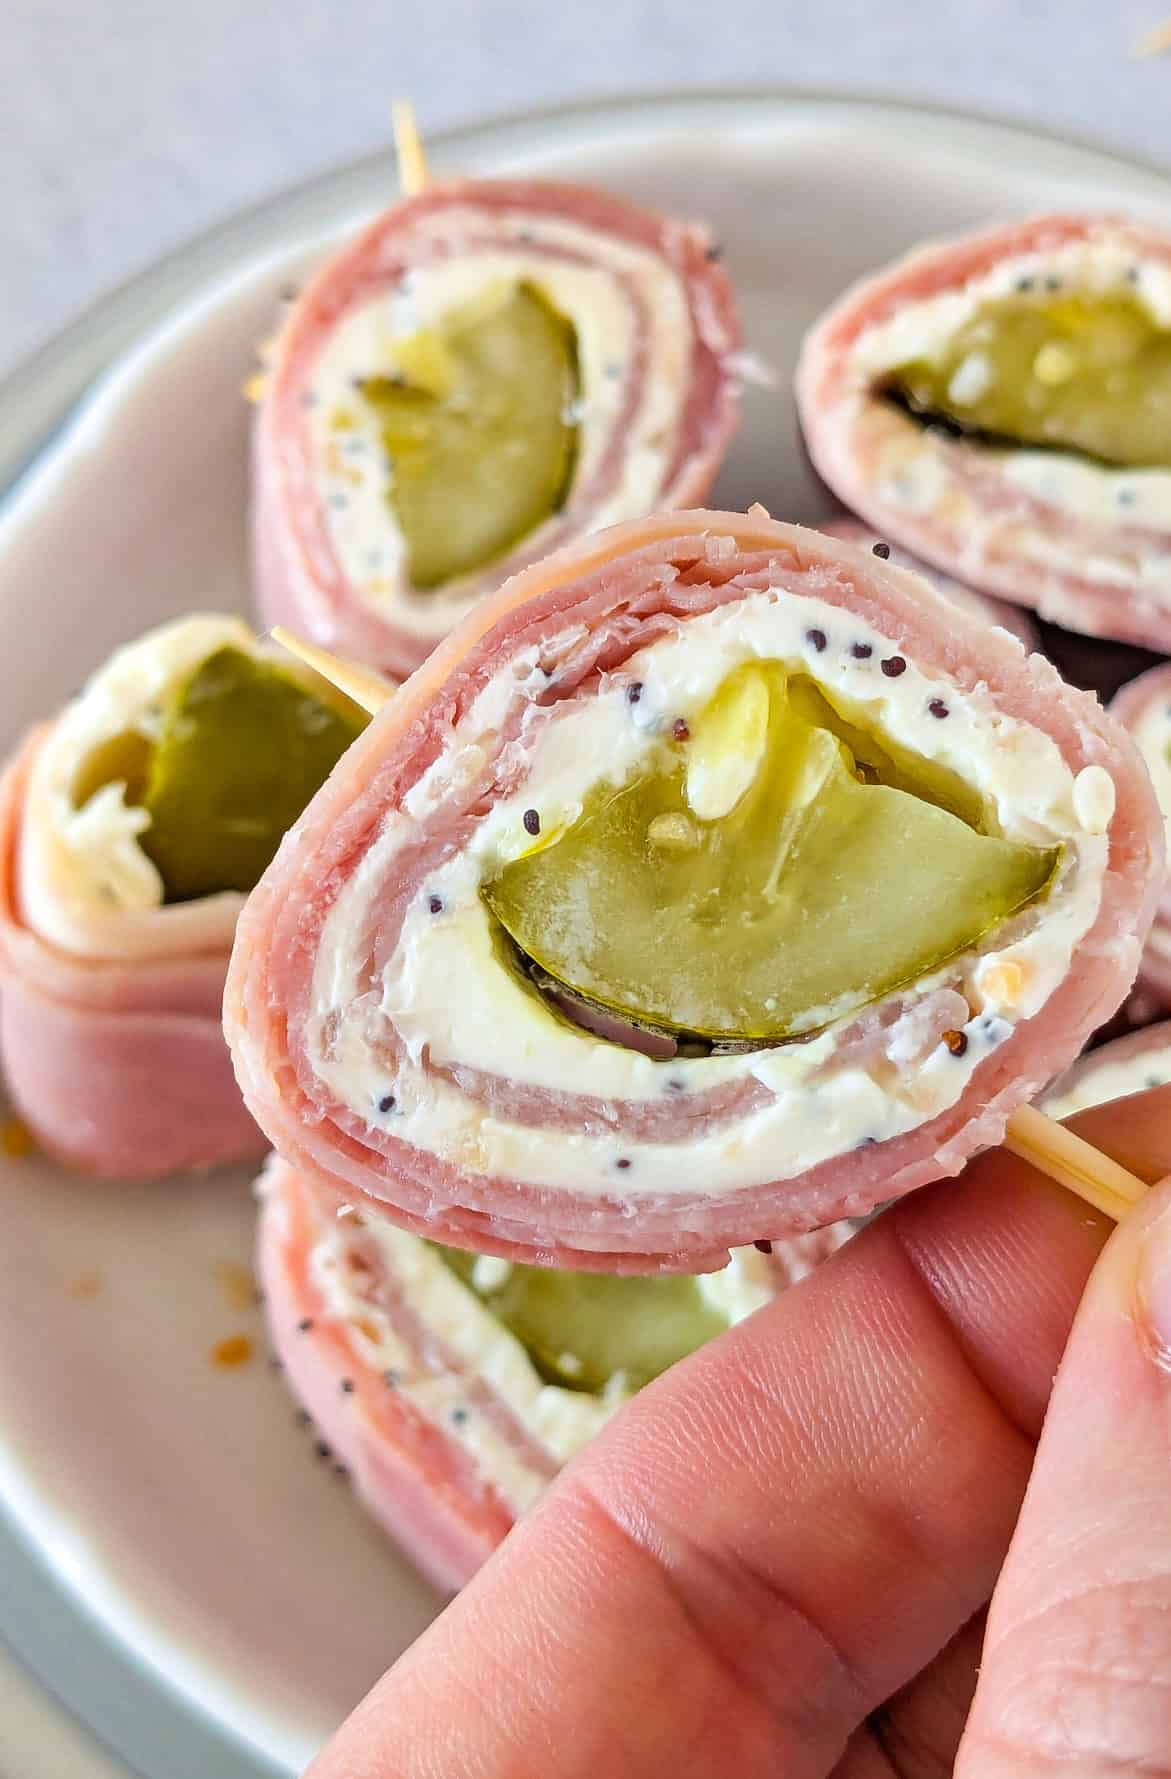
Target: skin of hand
point(777, 1559)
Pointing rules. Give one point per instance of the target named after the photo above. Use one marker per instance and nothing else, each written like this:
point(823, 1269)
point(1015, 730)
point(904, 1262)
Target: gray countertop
point(131, 124)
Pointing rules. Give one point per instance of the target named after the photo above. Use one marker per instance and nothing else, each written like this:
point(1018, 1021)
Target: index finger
point(782, 1531)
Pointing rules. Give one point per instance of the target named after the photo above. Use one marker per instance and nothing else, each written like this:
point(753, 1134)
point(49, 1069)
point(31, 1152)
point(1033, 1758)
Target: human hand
point(776, 1559)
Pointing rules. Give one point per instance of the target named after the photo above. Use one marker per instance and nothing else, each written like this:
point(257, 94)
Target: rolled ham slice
point(111, 1032)
point(978, 605)
point(1144, 706)
point(1135, 1063)
point(393, 1056)
point(656, 332)
point(1085, 544)
point(447, 1429)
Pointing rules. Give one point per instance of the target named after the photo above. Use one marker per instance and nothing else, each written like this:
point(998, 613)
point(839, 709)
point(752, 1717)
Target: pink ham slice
point(434, 1495)
point(299, 579)
point(1111, 578)
point(628, 587)
point(1132, 706)
point(991, 611)
point(1134, 1063)
point(118, 1067)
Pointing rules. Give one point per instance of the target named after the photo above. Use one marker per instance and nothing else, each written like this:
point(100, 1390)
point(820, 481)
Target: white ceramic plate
point(180, 1505)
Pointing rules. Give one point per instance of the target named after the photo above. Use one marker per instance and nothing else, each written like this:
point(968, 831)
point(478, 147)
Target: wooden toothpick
point(369, 690)
point(408, 146)
point(1031, 1134)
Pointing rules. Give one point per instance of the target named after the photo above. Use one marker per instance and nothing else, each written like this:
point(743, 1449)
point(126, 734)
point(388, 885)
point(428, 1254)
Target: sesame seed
point(435, 904)
point(305, 1324)
point(893, 666)
point(386, 1103)
point(861, 651)
point(634, 692)
point(323, 1450)
point(459, 1416)
point(340, 1470)
point(765, 1247)
point(881, 550)
point(304, 1418)
point(817, 638)
point(714, 252)
point(1024, 284)
point(390, 1379)
point(289, 293)
point(1132, 274)
point(532, 822)
point(1126, 497)
point(938, 708)
point(957, 1042)
point(347, 1386)
point(680, 729)
point(675, 1084)
point(1052, 283)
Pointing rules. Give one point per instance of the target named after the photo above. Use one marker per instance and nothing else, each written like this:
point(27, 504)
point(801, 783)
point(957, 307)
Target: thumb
point(1077, 1657)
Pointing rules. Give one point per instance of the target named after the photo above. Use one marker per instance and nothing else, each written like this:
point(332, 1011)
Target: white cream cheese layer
point(354, 474)
point(1152, 734)
point(482, 1350)
point(1094, 1082)
point(452, 1002)
point(85, 883)
point(909, 473)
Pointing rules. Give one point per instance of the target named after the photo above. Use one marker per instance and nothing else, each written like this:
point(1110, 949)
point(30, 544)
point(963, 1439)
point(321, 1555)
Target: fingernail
point(1154, 1288)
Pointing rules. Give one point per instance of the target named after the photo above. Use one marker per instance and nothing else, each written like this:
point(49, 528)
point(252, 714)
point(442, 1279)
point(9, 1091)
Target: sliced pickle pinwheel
point(133, 826)
point(1000, 405)
point(718, 880)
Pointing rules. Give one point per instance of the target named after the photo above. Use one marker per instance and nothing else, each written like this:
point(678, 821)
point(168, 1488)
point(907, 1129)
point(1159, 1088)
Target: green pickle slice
point(580, 1329)
point(241, 748)
point(1077, 372)
point(477, 422)
point(764, 908)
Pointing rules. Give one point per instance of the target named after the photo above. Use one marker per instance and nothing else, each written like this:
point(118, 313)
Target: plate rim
point(93, 340)
point(104, 308)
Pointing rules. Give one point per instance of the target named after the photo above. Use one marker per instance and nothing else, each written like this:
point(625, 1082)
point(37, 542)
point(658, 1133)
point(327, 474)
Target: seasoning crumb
point(938, 708)
point(86, 1285)
point(236, 1283)
point(459, 1416)
point(391, 1379)
point(957, 1042)
point(861, 651)
point(228, 1354)
point(532, 822)
point(347, 1386)
point(680, 729)
point(387, 1103)
point(893, 666)
point(340, 1470)
point(304, 1418)
point(323, 1450)
point(16, 1139)
point(764, 1247)
point(714, 252)
point(305, 1324)
point(818, 639)
point(623, 1161)
point(881, 550)
point(1024, 283)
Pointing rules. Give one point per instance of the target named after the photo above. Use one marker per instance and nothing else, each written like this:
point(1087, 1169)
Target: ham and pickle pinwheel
point(489, 370)
point(131, 829)
point(715, 881)
point(453, 1387)
point(1000, 405)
